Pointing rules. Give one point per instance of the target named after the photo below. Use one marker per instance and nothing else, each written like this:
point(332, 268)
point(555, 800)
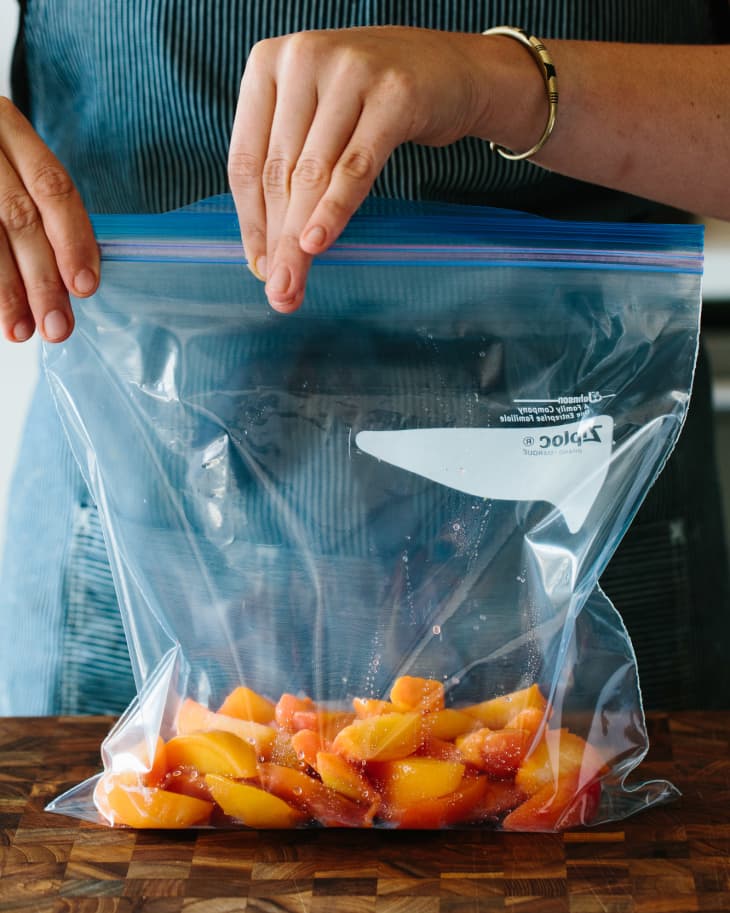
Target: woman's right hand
point(47, 245)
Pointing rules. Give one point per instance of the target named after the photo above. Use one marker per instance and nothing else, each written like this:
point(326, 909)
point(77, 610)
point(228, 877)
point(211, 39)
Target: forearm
point(320, 113)
point(651, 120)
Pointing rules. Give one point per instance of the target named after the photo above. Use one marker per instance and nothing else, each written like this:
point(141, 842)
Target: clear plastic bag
point(381, 520)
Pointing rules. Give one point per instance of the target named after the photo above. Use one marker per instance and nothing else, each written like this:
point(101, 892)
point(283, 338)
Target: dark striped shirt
point(138, 96)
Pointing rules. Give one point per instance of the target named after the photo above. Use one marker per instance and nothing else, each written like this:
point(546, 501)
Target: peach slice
point(444, 811)
point(439, 749)
point(531, 719)
point(497, 752)
point(287, 706)
point(189, 781)
point(327, 806)
point(380, 738)
point(412, 693)
point(216, 752)
point(558, 754)
point(497, 712)
point(135, 767)
point(283, 752)
point(245, 704)
point(148, 806)
point(557, 806)
point(306, 743)
point(253, 806)
point(500, 796)
point(405, 782)
point(448, 724)
point(366, 706)
point(327, 723)
point(345, 778)
point(194, 717)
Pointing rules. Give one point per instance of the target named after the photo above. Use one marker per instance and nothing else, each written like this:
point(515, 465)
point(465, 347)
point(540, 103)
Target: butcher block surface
point(668, 859)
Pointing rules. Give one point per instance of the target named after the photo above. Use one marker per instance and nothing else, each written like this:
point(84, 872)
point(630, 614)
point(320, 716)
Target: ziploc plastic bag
point(357, 548)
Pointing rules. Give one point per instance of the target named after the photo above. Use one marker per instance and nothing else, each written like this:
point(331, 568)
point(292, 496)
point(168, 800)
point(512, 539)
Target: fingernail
point(23, 330)
point(280, 280)
point(258, 268)
point(84, 282)
point(315, 237)
point(55, 325)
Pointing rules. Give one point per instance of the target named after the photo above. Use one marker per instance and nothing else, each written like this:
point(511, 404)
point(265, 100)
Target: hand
point(319, 114)
point(47, 246)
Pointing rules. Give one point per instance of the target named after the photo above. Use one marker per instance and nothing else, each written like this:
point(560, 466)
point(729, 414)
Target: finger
point(15, 314)
point(334, 122)
point(379, 130)
point(54, 198)
point(46, 295)
point(249, 142)
point(293, 116)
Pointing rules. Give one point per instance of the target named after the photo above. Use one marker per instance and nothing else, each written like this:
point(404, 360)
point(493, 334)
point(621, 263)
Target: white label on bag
point(565, 465)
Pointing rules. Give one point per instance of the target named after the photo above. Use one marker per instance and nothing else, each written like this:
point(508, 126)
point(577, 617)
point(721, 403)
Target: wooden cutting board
point(670, 859)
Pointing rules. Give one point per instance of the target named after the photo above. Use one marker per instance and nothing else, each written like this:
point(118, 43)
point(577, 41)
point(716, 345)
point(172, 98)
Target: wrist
point(513, 109)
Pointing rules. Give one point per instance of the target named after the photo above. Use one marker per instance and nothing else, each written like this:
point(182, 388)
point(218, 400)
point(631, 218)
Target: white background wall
point(18, 363)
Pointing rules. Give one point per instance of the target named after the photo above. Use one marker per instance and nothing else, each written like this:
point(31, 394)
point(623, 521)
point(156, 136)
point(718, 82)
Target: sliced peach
point(148, 806)
point(283, 752)
point(411, 780)
point(325, 722)
point(380, 738)
point(245, 704)
point(556, 806)
point(497, 712)
point(327, 806)
point(345, 778)
point(412, 693)
point(136, 768)
point(440, 749)
point(500, 796)
point(194, 717)
point(531, 719)
point(189, 782)
point(454, 808)
point(216, 752)
point(253, 806)
point(448, 724)
point(306, 743)
point(365, 706)
point(497, 752)
point(558, 754)
point(287, 706)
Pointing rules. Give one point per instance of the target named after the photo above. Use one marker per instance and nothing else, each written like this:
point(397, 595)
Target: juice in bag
point(357, 548)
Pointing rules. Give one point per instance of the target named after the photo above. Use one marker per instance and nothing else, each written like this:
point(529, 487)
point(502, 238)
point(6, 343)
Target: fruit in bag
point(405, 762)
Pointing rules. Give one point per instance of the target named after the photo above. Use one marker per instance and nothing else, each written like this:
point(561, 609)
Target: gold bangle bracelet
point(547, 68)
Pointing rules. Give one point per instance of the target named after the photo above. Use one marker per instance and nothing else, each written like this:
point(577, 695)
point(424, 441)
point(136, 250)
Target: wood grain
point(670, 859)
